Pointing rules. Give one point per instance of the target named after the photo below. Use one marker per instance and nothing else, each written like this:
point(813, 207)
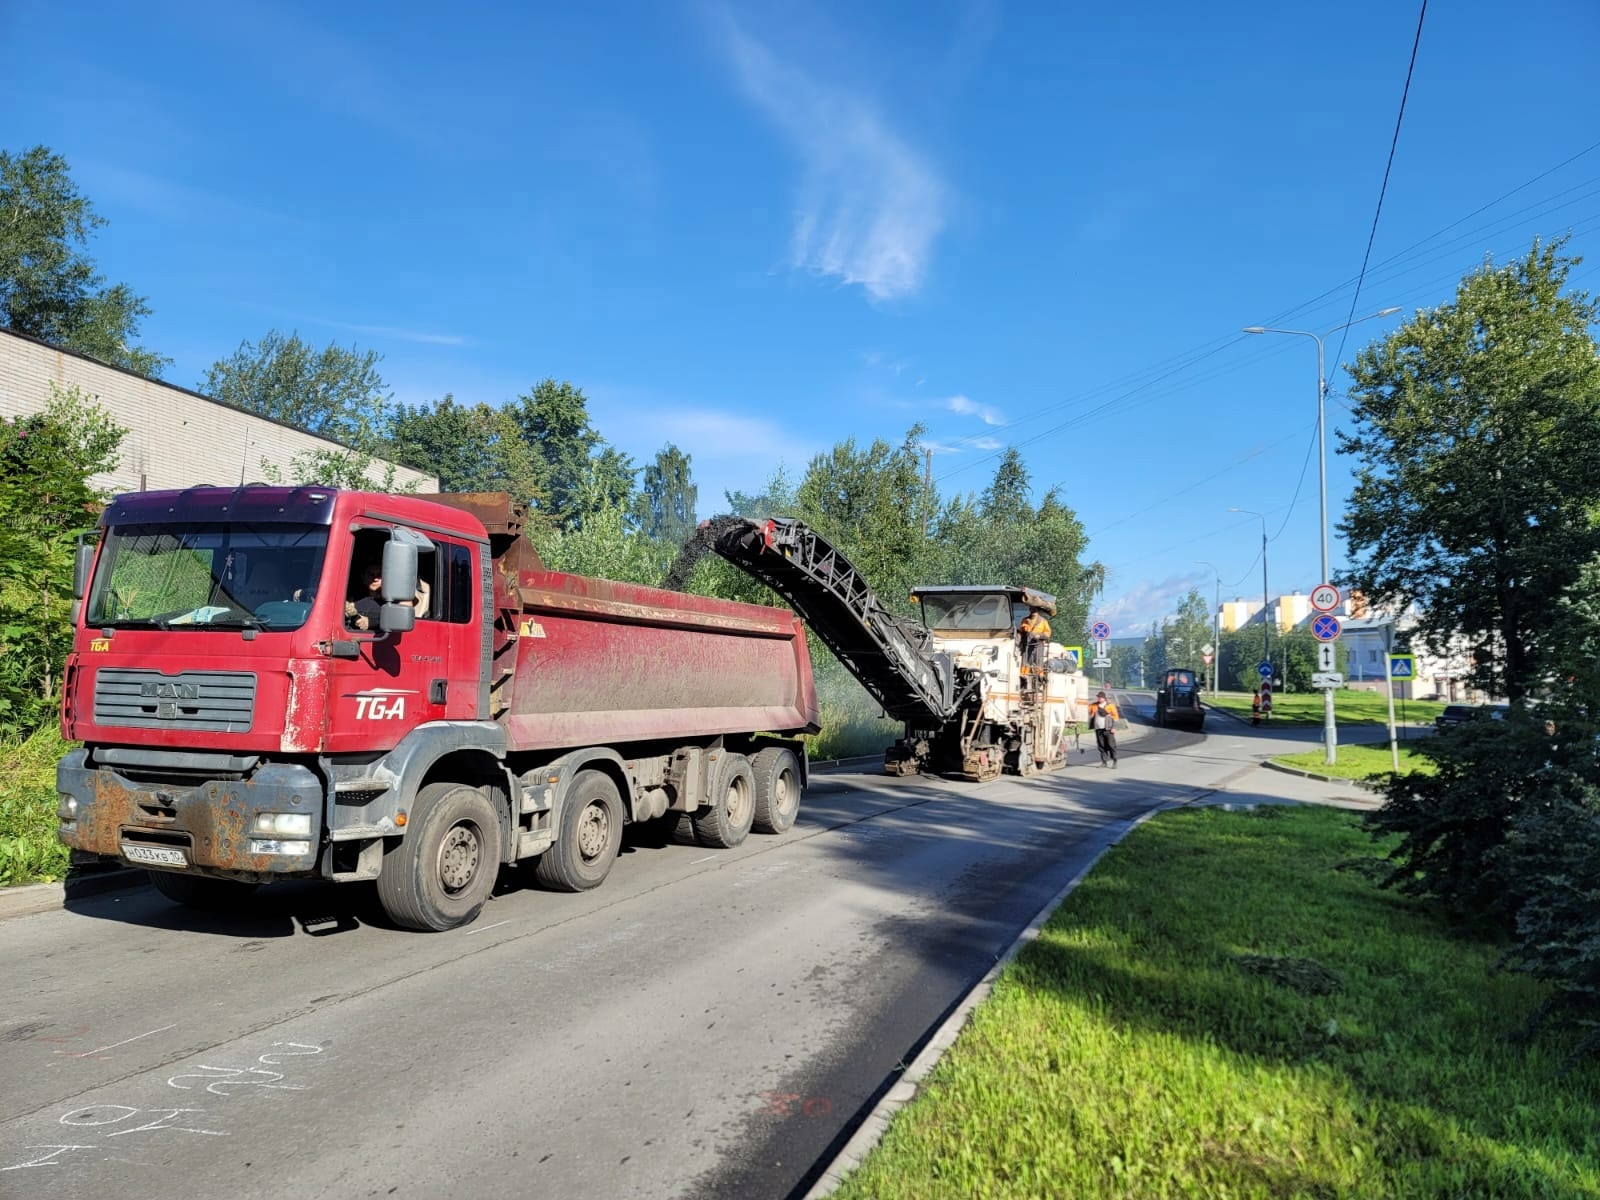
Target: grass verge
point(1228, 1006)
point(1349, 707)
point(30, 852)
point(1359, 762)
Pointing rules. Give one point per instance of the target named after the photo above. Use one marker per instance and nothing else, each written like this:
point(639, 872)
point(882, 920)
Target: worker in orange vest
point(1103, 717)
point(1035, 632)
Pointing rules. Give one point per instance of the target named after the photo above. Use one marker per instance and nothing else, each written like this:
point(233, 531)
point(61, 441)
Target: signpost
point(1101, 632)
point(1326, 679)
point(1402, 666)
point(1325, 628)
point(1325, 597)
point(1264, 670)
point(1325, 656)
point(1074, 657)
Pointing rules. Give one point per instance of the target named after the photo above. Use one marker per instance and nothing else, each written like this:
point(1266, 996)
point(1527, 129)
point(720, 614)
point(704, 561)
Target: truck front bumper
point(262, 826)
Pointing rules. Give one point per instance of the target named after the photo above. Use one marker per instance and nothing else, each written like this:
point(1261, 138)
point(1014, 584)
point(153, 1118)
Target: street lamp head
point(1387, 312)
point(1254, 329)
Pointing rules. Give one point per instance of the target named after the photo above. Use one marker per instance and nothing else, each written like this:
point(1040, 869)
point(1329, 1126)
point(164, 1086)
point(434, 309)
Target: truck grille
point(208, 701)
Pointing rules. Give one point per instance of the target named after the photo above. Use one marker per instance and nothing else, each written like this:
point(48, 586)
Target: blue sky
point(755, 229)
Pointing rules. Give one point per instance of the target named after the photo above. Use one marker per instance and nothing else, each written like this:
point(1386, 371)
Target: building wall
point(176, 438)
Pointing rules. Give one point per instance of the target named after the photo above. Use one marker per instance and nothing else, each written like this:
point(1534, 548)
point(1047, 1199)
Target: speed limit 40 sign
point(1324, 597)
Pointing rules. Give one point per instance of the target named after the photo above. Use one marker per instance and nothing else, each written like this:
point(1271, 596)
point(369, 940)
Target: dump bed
point(582, 661)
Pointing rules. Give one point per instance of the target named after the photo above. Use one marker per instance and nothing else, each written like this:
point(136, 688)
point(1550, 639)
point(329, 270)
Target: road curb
point(905, 1088)
point(1360, 783)
point(33, 898)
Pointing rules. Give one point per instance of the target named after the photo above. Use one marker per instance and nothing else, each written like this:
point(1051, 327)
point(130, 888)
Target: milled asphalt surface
point(714, 1024)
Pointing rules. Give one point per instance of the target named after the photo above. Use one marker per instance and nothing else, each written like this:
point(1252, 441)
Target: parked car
point(1178, 700)
point(1460, 714)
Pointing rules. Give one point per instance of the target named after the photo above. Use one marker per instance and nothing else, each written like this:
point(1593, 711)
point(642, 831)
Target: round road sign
point(1264, 670)
point(1324, 597)
point(1325, 628)
point(1101, 631)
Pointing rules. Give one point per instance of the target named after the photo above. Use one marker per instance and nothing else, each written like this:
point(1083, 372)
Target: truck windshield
point(223, 574)
point(984, 612)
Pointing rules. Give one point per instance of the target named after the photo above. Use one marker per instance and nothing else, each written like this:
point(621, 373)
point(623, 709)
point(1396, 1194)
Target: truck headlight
point(275, 846)
point(66, 807)
point(286, 824)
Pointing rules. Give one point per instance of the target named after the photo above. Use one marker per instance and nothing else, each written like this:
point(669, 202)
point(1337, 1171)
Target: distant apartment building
point(1286, 612)
point(175, 438)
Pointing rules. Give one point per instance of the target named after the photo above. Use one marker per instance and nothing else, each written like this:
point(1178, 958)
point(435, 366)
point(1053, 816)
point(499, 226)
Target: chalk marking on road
point(486, 928)
point(44, 1160)
point(123, 1042)
point(707, 858)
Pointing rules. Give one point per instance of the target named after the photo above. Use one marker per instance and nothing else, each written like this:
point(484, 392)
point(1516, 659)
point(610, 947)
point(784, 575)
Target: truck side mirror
point(399, 571)
point(80, 569)
point(398, 614)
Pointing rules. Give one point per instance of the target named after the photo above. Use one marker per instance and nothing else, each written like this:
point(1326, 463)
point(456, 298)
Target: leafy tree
point(334, 392)
point(1477, 427)
point(50, 288)
point(581, 474)
point(870, 503)
point(1002, 538)
point(666, 502)
point(337, 468)
point(471, 449)
point(46, 501)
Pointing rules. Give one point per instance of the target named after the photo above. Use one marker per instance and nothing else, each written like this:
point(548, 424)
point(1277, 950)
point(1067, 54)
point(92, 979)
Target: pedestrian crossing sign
point(1074, 656)
point(1402, 666)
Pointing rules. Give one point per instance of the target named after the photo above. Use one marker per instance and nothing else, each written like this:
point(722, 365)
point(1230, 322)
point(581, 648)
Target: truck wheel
point(591, 832)
point(726, 822)
point(441, 874)
point(777, 780)
point(199, 891)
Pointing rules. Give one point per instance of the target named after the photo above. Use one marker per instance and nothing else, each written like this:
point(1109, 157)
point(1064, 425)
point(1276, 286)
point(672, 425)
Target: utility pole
point(927, 487)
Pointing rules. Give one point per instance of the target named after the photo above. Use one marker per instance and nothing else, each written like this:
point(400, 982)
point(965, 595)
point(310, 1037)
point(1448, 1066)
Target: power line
point(1383, 189)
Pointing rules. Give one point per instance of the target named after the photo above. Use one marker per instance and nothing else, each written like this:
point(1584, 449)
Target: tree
point(580, 473)
point(870, 503)
point(471, 449)
point(666, 503)
point(334, 392)
point(46, 460)
point(50, 288)
point(1477, 426)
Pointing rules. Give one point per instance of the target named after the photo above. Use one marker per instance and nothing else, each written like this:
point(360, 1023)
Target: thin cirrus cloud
point(870, 207)
point(971, 408)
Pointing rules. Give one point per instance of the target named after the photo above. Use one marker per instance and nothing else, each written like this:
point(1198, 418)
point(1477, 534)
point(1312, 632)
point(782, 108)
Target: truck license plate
point(159, 855)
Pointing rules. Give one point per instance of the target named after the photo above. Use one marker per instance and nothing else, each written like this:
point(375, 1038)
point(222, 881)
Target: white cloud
point(870, 207)
point(1151, 600)
point(986, 443)
point(971, 408)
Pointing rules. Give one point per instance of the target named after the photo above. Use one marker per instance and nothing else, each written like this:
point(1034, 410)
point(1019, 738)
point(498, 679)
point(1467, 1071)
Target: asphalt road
point(706, 1024)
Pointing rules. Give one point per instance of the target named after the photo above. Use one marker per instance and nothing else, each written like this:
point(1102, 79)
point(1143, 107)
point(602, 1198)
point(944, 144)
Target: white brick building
point(176, 438)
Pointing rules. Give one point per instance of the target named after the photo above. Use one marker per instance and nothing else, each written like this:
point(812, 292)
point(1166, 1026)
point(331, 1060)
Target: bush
point(1553, 851)
point(1453, 824)
point(30, 852)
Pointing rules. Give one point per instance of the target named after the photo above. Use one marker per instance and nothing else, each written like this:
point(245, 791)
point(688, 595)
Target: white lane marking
point(486, 928)
point(707, 858)
point(124, 1042)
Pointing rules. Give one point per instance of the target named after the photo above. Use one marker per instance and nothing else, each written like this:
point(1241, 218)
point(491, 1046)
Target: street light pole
point(1266, 646)
point(1216, 626)
point(1330, 730)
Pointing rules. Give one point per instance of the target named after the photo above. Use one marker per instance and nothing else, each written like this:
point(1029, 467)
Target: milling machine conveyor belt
point(888, 655)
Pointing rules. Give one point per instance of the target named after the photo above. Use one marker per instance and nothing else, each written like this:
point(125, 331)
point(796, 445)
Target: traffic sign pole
point(1326, 629)
point(1388, 686)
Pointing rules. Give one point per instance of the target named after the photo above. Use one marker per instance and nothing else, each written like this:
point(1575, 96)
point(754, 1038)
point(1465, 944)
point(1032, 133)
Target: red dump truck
point(305, 682)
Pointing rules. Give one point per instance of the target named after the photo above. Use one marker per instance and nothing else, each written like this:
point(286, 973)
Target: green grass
point(1349, 707)
point(1228, 1007)
point(1359, 762)
point(30, 852)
